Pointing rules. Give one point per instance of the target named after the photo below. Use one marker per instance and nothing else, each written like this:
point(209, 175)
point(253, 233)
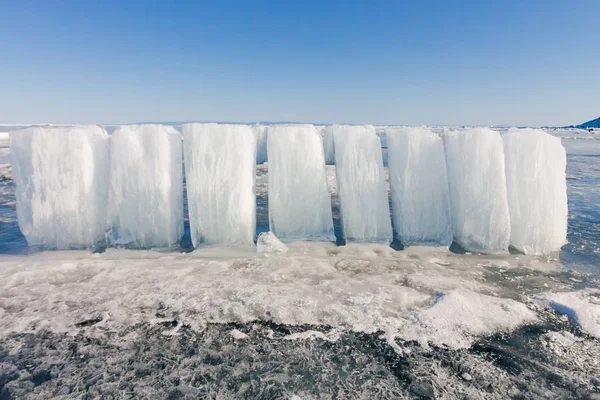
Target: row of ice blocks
point(77, 187)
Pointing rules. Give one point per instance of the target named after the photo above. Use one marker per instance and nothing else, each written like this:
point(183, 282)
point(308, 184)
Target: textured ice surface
point(61, 178)
point(582, 307)
point(537, 190)
point(361, 184)
point(419, 186)
point(261, 144)
point(267, 242)
point(299, 202)
point(220, 163)
point(477, 183)
point(328, 146)
point(145, 197)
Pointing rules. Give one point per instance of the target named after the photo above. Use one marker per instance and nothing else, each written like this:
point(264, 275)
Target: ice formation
point(363, 196)
point(299, 202)
point(267, 242)
point(61, 177)
point(537, 190)
point(220, 163)
point(419, 186)
point(328, 147)
point(145, 197)
point(477, 183)
point(261, 144)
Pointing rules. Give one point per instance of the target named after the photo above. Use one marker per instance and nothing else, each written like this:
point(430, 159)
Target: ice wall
point(145, 198)
point(477, 183)
point(361, 184)
point(328, 147)
point(537, 190)
point(419, 186)
point(61, 178)
point(299, 202)
point(220, 163)
point(261, 144)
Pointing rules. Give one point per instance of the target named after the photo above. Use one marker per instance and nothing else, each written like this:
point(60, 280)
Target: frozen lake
point(358, 321)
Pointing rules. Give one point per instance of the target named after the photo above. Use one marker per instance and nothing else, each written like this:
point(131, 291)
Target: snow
point(220, 166)
point(582, 307)
point(299, 203)
point(267, 242)
point(537, 190)
point(477, 187)
point(419, 187)
point(328, 146)
point(361, 184)
point(261, 144)
point(145, 199)
point(61, 178)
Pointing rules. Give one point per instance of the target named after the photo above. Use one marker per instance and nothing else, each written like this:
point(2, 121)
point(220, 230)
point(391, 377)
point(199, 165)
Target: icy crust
point(477, 188)
point(220, 170)
point(419, 186)
point(365, 211)
point(358, 287)
point(145, 202)
point(299, 202)
point(537, 190)
point(582, 307)
point(61, 179)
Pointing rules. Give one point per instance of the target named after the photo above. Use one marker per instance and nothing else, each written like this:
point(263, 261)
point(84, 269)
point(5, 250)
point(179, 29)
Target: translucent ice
point(299, 202)
point(419, 186)
point(363, 197)
point(61, 177)
point(477, 183)
point(220, 163)
point(145, 197)
point(261, 144)
point(537, 190)
point(328, 147)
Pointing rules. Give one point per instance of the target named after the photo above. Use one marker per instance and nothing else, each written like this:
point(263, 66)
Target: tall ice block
point(361, 184)
point(299, 202)
point(61, 178)
point(220, 164)
point(537, 190)
point(145, 198)
point(419, 186)
point(477, 182)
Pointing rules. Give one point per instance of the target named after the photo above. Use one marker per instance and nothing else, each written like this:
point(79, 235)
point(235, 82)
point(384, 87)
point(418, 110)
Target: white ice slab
point(61, 178)
point(220, 164)
point(419, 186)
point(363, 196)
point(145, 198)
point(537, 190)
point(477, 183)
point(299, 202)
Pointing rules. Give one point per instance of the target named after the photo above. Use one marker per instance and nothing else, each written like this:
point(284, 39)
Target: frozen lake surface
point(322, 320)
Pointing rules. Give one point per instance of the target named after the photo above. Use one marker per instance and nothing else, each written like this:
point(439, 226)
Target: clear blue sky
point(520, 62)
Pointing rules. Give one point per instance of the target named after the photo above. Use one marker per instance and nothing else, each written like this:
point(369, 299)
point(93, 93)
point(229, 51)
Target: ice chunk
point(537, 190)
point(477, 183)
point(299, 202)
point(419, 186)
point(328, 147)
point(261, 144)
point(61, 178)
point(267, 242)
point(220, 164)
point(363, 196)
point(145, 198)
